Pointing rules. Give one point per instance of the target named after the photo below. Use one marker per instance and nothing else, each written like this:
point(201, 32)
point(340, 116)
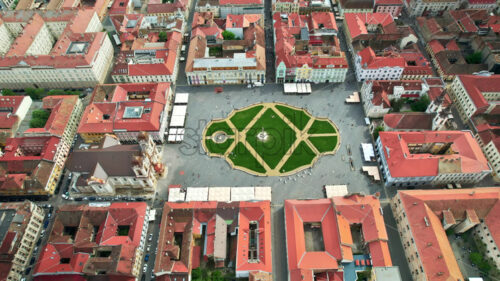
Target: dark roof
point(357, 4)
point(409, 121)
point(115, 160)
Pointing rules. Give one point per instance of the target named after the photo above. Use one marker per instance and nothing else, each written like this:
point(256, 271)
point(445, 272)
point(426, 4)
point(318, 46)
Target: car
point(85, 198)
point(36, 249)
point(150, 237)
point(145, 268)
point(78, 199)
point(146, 257)
point(92, 198)
point(49, 215)
point(32, 261)
point(148, 248)
point(46, 224)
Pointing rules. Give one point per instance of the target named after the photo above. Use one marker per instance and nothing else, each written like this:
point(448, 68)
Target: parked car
point(46, 224)
point(148, 248)
point(146, 257)
point(150, 237)
point(78, 199)
point(92, 198)
point(145, 268)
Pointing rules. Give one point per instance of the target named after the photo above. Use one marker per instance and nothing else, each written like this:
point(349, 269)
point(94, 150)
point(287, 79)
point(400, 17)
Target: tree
point(228, 35)
point(475, 258)
point(396, 105)
point(421, 105)
point(35, 94)
point(37, 123)
point(162, 35)
point(8, 92)
point(40, 114)
point(474, 58)
point(377, 130)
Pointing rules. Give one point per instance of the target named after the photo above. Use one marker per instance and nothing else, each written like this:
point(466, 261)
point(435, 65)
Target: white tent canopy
point(368, 152)
point(242, 193)
point(181, 98)
point(175, 194)
point(197, 194)
point(336, 190)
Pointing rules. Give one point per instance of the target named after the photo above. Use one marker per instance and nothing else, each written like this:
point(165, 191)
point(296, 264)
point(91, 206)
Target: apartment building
point(65, 112)
point(110, 168)
point(488, 137)
point(216, 225)
point(431, 7)
point(302, 6)
point(393, 7)
point(53, 49)
point(307, 48)
point(377, 94)
point(149, 60)
point(20, 226)
point(169, 9)
point(31, 166)
point(476, 95)
point(214, 60)
point(409, 159)
point(89, 242)
point(384, 50)
point(125, 111)
point(331, 239)
point(13, 110)
point(424, 216)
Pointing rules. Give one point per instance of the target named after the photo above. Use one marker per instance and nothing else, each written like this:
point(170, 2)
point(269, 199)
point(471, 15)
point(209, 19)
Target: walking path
point(301, 135)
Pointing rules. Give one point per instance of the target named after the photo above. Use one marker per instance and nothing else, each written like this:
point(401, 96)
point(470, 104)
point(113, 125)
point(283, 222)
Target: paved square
point(190, 166)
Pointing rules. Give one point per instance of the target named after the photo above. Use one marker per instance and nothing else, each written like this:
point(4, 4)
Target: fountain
point(262, 135)
point(219, 137)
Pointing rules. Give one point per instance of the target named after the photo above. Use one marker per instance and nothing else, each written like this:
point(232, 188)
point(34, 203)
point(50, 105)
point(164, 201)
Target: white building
point(431, 7)
point(430, 158)
point(64, 49)
point(369, 66)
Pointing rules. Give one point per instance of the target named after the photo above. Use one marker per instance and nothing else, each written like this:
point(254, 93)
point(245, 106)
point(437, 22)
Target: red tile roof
point(409, 121)
point(335, 216)
point(80, 248)
point(104, 115)
point(369, 60)
point(476, 85)
point(61, 108)
point(357, 22)
point(439, 262)
point(174, 260)
point(240, 2)
point(286, 31)
point(467, 156)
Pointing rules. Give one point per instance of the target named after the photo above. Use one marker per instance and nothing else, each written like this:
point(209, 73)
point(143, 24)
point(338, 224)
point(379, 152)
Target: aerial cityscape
point(257, 140)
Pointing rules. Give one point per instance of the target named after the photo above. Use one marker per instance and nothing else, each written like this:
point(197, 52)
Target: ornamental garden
point(270, 139)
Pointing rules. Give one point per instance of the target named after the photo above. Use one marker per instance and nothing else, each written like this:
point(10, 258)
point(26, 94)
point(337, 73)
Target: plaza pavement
point(189, 166)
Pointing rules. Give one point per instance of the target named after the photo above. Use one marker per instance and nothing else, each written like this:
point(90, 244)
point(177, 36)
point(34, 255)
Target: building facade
point(424, 216)
point(410, 159)
point(111, 168)
point(308, 49)
point(94, 242)
point(476, 94)
point(213, 60)
point(127, 110)
point(21, 224)
point(42, 50)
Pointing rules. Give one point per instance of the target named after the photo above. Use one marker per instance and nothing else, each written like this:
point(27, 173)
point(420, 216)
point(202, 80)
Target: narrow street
point(268, 28)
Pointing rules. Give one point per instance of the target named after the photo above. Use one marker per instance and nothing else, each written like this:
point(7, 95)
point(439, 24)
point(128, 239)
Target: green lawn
point(298, 117)
point(324, 144)
point(218, 148)
point(321, 127)
point(281, 138)
point(241, 118)
point(302, 155)
point(240, 156)
point(219, 126)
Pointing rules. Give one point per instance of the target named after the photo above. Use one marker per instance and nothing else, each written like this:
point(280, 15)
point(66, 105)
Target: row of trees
point(40, 93)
